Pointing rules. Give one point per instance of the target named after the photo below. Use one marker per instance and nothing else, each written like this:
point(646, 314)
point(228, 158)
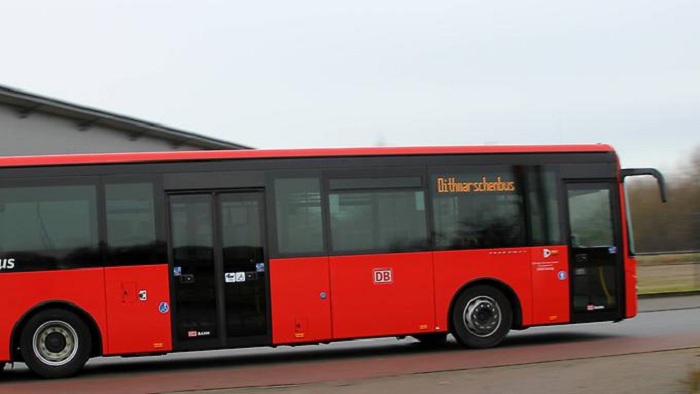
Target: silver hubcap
point(482, 316)
point(55, 343)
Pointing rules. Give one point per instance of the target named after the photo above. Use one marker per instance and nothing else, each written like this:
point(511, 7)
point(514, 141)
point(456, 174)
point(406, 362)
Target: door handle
point(186, 279)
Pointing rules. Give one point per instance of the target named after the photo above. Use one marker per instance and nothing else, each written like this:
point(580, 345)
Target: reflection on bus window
point(480, 208)
point(299, 222)
point(591, 218)
point(367, 218)
point(131, 225)
point(49, 226)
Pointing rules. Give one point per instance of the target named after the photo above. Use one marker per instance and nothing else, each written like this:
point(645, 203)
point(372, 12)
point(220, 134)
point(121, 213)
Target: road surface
point(360, 365)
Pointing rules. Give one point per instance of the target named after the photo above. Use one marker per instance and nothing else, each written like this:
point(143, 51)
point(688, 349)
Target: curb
point(669, 295)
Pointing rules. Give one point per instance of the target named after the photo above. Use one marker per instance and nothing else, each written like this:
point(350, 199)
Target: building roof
point(85, 117)
point(143, 157)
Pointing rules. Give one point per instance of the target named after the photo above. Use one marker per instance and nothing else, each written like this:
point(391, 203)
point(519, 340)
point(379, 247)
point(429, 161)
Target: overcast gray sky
point(284, 74)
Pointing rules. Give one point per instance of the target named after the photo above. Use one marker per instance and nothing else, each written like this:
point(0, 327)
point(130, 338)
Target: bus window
point(131, 224)
point(367, 218)
point(543, 206)
point(478, 208)
point(298, 212)
point(49, 227)
point(591, 218)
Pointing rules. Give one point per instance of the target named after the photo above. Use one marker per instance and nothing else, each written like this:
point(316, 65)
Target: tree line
point(675, 225)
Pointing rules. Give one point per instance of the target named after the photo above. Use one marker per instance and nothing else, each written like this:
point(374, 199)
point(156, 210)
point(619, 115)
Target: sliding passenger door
point(218, 263)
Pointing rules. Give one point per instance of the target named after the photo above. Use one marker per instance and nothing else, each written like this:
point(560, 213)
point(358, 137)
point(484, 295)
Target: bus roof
point(171, 156)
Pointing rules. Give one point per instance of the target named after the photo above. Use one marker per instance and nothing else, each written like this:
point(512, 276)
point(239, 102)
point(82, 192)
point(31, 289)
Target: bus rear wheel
point(55, 343)
point(481, 317)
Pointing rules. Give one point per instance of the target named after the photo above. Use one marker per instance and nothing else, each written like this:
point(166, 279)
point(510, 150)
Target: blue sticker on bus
point(163, 307)
point(612, 249)
point(561, 275)
point(260, 267)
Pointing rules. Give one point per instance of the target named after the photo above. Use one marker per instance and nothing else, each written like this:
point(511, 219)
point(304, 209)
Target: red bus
point(151, 253)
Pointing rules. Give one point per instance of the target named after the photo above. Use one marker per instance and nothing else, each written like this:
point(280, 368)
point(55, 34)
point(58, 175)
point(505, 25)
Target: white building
point(31, 124)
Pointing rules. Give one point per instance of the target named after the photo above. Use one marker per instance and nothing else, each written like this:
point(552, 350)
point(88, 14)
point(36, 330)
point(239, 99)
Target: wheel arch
point(55, 304)
point(503, 287)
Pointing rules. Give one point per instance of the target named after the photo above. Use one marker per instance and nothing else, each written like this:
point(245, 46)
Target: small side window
point(131, 224)
point(298, 214)
point(543, 203)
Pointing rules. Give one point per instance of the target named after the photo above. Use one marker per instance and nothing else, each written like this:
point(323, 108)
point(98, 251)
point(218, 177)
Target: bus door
point(218, 265)
point(596, 259)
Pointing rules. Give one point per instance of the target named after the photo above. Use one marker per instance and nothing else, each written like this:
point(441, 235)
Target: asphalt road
point(667, 324)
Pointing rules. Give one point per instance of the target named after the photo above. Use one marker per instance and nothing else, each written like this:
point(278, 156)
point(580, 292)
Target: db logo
point(383, 275)
point(547, 253)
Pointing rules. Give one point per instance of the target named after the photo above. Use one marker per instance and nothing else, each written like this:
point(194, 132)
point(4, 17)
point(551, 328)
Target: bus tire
point(55, 343)
point(481, 317)
point(433, 339)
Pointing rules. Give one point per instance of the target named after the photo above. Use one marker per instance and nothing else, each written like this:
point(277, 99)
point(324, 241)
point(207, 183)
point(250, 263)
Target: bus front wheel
point(481, 317)
point(55, 343)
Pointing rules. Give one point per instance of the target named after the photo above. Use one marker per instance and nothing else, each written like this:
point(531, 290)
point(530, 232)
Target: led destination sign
point(453, 185)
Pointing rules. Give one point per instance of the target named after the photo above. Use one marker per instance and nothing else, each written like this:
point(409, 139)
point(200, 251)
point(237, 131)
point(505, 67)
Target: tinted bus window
point(543, 206)
point(383, 220)
point(49, 227)
point(591, 218)
point(298, 212)
point(131, 224)
point(479, 208)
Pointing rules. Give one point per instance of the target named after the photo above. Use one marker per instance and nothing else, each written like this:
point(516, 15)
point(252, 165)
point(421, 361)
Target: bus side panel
point(23, 291)
point(550, 285)
point(300, 300)
point(630, 287)
point(454, 269)
point(138, 310)
point(382, 295)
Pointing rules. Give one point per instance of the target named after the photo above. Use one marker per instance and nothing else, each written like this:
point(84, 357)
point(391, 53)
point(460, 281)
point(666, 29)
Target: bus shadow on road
point(525, 338)
point(385, 348)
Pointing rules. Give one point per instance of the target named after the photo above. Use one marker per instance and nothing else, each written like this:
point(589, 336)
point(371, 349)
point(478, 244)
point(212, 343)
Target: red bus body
point(316, 298)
